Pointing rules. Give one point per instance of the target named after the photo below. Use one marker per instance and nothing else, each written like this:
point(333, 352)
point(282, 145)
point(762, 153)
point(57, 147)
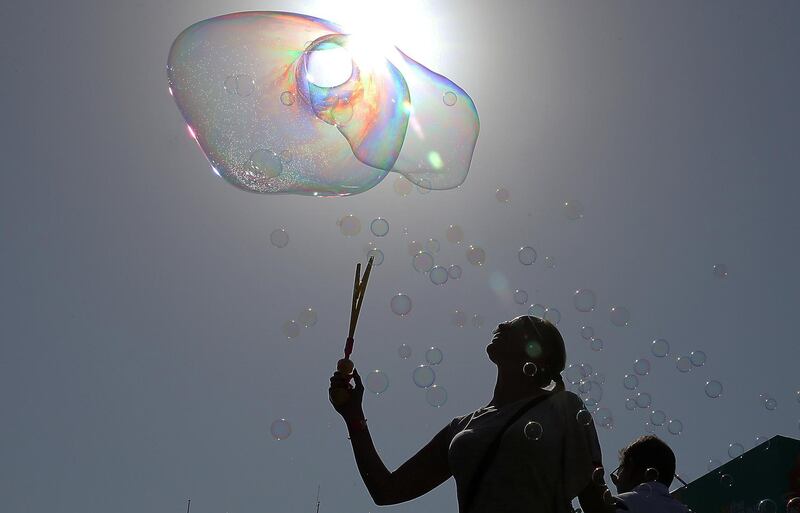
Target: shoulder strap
point(491, 452)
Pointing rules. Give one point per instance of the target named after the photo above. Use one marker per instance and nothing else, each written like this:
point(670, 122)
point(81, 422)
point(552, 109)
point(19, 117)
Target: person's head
point(529, 340)
point(645, 459)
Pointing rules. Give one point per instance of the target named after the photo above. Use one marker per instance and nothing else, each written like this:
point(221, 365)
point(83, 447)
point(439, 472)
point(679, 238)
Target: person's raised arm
point(420, 474)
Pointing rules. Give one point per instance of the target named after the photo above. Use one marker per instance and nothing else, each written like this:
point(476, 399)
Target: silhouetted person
point(646, 469)
point(538, 469)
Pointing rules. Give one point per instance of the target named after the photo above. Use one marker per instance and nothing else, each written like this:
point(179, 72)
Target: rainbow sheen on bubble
point(288, 103)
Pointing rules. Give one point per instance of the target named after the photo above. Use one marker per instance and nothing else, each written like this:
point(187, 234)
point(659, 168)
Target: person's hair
point(648, 452)
point(553, 353)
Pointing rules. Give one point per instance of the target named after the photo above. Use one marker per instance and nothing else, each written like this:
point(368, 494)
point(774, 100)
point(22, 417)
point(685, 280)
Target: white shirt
point(652, 497)
point(528, 475)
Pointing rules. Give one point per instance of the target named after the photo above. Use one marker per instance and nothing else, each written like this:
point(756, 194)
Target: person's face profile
point(510, 344)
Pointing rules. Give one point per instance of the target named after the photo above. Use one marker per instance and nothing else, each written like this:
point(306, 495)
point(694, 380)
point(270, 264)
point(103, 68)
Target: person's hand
point(346, 398)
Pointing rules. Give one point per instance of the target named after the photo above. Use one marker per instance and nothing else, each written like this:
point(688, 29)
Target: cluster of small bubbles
point(767, 506)
point(769, 402)
point(307, 317)
point(455, 234)
point(242, 85)
point(379, 227)
point(726, 480)
point(377, 382)
point(436, 396)
point(720, 270)
point(264, 163)
point(287, 98)
point(291, 329)
point(433, 245)
point(658, 417)
point(651, 474)
point(583, 417)
point(434, 356)
point(449, 98)
point(573, 210)
point(735, 450)
point(619, 316)
point(587, 332)
point(423, 261)
point(476, 255)
point(713, 463)
point(537, 310)
point(533, 430)
point(643, 400)
point(552, 315)
point(683, 364)
point(349, 225)
point(454, 272)
point(414, 248)
point(585, 300)
point(659, 348)
point(520, 297)
point(477, 321)
point(502, 195)
point(698, 358)
point(675, 427)
point(279, 238)
point(459, 318)
point(641, 366)
point(404, 351)
point(596, 344)
point(630, 381)
point(376, 254)
point(280, 429)
point(529, 369)
point(713, 389)
point(423, 376)
point(549, 262)
point(526, 255)
point(400, 304)
point(402, 186)
point(438, 275)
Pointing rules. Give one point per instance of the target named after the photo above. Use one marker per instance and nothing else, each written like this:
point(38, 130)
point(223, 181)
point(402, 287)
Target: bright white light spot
point(191, 132)
point(329, 67)
point(215, 171)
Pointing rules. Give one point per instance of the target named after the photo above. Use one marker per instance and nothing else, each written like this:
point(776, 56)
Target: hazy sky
point(142, 355)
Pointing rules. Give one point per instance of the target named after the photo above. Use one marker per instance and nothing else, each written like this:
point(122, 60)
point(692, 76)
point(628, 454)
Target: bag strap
point(491, 452)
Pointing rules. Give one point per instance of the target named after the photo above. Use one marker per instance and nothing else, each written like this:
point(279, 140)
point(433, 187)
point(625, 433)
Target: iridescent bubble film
point(288, 103)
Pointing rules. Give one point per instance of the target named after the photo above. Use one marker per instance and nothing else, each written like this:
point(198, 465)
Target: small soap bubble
point(377, 382)
point(520, 297)
point(584, 300)
point(552, 315)
point(454, 272)
point(291, 329)
point(423, 261)
point(455, 234)
point(526, 255)
point(713, 463)
point(414, 248)
point(264, 164)
point(502, 195)
point(608, 498)
point(307, 317)
point(587, 332)
point(573, 210)
point(735, 450)
point(400, 304)
point(377, 256)
point(793, 506)
point(596, 344)
point(641, 366)
point(379, 227)
point(658, 417)
point(630, 404)
point(550, 262)
point(537, 310)
point(349, 225)
point(683, 364)
point(720, 271)
point(643, 400)
point(713, 389)
point(279, 238)
point(767, 506)
point(404, 351)
point(698, 358)
point(476, 255)
point(583, 417)
point(659, 348)
point(675, 427)
point(651, 474)
point(438, 275)
point(529, 369)
point(423, 376)
point(477, 321)
point(605, 418)
point(459, 318)
point(449, 98)
point(630, 381)
point(402, 186)
point(287, 98)
point(432, 245)
point(436, 396)
point(241, 85)
point(599, 377)
point(533, 430)
point(726, 480)
point(770, 403)
point(280, 429)
point(434, 356)
point(619, 316)
point(576, 373)
point(598, 475)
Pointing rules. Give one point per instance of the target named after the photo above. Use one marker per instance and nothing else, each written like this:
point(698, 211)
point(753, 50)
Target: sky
point(143, 355)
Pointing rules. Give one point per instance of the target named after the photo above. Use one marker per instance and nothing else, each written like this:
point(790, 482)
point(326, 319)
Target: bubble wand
point(345, 365)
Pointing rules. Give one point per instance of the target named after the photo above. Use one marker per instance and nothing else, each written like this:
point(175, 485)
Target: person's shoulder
point(569, 399)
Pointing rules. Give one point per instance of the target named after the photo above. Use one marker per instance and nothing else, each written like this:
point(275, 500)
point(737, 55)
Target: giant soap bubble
point(288, 103)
